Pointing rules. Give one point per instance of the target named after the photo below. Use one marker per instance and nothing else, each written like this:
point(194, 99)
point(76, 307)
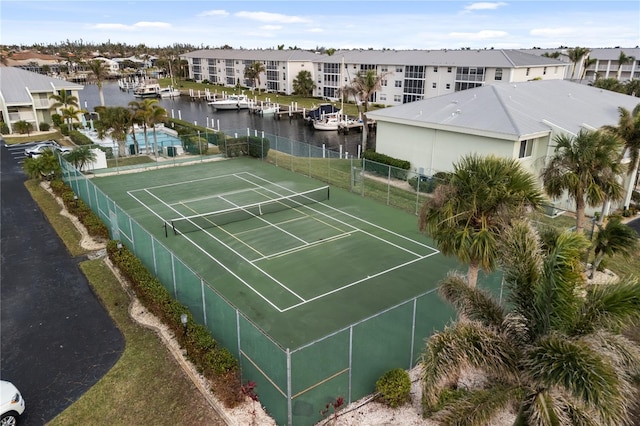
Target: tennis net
point(201, 221)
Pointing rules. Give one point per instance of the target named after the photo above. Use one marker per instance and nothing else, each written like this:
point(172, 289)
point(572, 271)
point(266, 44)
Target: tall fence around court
point(294, 384)
point(404, 189)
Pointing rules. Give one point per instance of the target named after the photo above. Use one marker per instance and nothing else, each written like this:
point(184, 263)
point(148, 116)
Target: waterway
point(200, 113)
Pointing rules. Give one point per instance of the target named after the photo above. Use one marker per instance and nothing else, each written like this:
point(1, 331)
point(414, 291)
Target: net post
point(164, 225)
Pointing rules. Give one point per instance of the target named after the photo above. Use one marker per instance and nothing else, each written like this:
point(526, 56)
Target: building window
point(433, 85)
point(448, 86)
point(398, 83)
point(435, 69)
point(383, 97)
point(498, 73)
point(526, 147)
point(449, 69)
point(398, 69)
point(528, 71)
point(397, 98)
point(544, 71)
point(383, 83)
point(383, 69)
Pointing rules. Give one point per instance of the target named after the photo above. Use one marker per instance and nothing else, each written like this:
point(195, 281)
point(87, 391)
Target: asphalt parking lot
point(57, 340)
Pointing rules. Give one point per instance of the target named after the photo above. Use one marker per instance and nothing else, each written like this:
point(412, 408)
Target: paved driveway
point(57, 340)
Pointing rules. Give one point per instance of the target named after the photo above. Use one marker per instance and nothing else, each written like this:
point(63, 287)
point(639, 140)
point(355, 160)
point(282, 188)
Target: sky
point(344, 24)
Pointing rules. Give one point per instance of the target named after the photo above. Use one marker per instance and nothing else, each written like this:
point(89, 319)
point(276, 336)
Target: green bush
point(385, 159)
point(258, 147)
point(79, 138)
point(394, 387)
point(44, 127)
point(78, 208)
point(215, 362)
point(195, 145)
point(4, 128)
point(57, 120)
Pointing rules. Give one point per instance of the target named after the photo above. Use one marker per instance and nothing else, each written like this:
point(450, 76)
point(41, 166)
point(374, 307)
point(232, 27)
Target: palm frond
point(541, 408)
point(584, 373)
point(479, 407)
point(471, 302)
point(465, 344)
point(611, 305)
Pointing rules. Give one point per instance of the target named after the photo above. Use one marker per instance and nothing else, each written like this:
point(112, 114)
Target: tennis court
point(281, 245)
point(318, 291)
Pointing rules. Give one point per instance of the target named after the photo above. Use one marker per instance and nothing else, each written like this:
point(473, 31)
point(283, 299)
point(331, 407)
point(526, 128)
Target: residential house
point(24, 95)
point(512, 120)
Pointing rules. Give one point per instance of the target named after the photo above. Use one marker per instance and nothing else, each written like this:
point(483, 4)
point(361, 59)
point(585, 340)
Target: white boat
point(147, 91)
point(168, 92)
point(267, 108)
point(231, 102)
point(333, 121)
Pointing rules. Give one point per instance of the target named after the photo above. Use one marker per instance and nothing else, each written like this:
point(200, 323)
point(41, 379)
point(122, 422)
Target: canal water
point(205, 115)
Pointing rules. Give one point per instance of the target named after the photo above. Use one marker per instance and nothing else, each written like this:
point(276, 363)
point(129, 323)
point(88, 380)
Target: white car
point(11, 404)
point(38, 149)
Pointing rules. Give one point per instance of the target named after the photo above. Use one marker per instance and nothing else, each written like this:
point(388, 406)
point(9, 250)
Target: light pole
point(75, 200)
point(183, 320)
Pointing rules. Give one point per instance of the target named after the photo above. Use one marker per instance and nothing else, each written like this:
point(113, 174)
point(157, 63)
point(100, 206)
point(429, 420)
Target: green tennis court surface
point(297, 258)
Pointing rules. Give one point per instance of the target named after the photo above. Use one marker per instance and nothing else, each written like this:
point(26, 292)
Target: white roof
point(514, 111)
point(16, 84)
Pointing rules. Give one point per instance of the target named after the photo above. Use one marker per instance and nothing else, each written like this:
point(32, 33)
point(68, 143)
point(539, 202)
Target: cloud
point(480, 35)
point(315, 30)
point(551, 32)
point(216, 12)
point(120, 27)
point(147, 24)
point(271, 27)
point(272, 17)
point(484, 6)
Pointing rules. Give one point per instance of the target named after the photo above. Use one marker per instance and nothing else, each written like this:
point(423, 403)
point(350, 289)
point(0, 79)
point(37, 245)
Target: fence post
point(388, 184)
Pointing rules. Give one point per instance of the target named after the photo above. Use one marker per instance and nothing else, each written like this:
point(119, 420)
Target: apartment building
point(599, 63)
point(409, 75)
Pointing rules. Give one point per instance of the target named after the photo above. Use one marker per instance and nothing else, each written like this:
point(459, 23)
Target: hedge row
point(385, 159)
point(214, 362)
point(79, 209)
point(252, 146)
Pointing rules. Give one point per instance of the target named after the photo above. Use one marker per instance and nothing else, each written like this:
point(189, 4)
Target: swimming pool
point(164, 138)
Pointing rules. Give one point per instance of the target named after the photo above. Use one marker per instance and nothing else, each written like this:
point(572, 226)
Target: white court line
point(351, 226)
point(166, 185)
point(209, 197)
point(300, 248)
point(237, 254)
point(267, 222)
point(313, 299)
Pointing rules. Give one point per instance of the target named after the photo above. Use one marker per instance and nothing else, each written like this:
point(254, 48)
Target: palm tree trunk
point(365, 131)
point(472, 273)
point(580, 219)
point(631, 187)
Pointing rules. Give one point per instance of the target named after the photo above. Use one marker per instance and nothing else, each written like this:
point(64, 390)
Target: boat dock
point(346, 127)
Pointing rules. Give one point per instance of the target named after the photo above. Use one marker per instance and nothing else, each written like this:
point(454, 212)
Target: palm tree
point(100, 72)
point(553, 351)
point(586, 64)
point(45, 165)
point(614, 237)
point(623, 59)
point(115, 122)
point(142, 111)
point(69, 114)
point(575, 55)
point(362, 88)
point(628, 130)
point(586, 167)
point(253, 72)
point(64, 99)
point(554, 55)
point(157, 115)
point(303, 84)
point(80, 156)
point(467, 213)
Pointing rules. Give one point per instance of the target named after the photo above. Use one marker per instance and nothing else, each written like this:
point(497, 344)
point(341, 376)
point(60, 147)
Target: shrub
point(79, 138)
point(394, 387)
point(4, 128)
point(57, 120)
point(216, 363)
point(44, 127)
point(384, 165)
point(385, 159)
point(195, 145)
point(258, 147)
